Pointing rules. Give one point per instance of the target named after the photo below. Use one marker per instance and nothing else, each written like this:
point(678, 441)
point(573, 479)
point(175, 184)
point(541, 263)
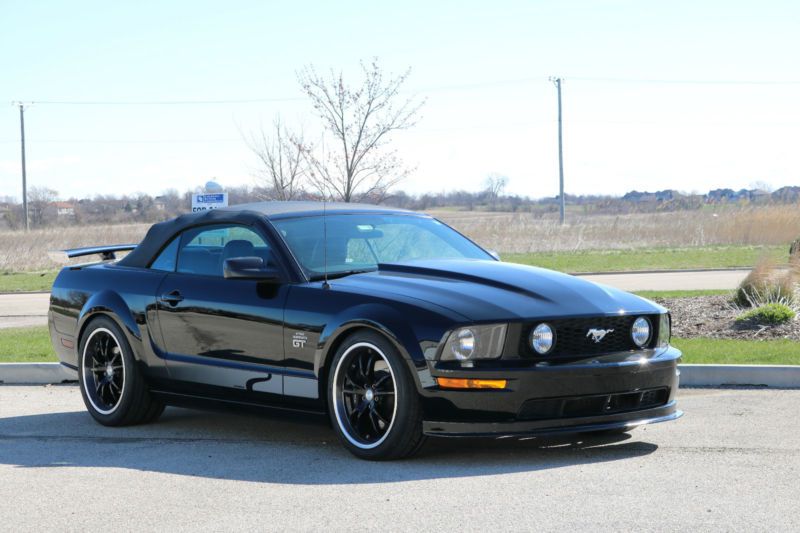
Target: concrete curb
point(6, 293)
point(35, 373)
point(775, 376)
point(667, 271)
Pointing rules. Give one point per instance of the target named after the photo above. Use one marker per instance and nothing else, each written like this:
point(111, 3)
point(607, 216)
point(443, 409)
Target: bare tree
point(495, 184)
point(283, 164)
point(762, 186)
point(38, 200)
point(357, 164)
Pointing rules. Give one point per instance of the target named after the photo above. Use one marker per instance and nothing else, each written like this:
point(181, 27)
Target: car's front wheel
point(374, 404)
point(113, 389)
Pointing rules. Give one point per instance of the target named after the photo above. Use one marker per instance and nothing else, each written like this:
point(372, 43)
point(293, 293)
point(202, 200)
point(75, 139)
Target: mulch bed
point(715, 316)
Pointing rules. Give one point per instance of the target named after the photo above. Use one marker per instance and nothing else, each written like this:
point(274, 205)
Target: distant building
point(759, 196)
point(667, 195)
point(639, 197)
point(718, 196)
point(787, 195)
point(64, 209)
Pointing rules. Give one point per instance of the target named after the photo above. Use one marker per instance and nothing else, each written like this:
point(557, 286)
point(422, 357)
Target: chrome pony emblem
point(598, 334)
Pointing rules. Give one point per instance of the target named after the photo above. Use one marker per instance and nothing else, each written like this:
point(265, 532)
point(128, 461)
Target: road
point(18, 310)
point(31, 309)
point(672, 281)
point(732, 463)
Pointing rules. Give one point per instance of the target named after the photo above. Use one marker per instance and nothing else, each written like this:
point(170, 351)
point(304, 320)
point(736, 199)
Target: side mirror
point(248, 268)
point(494, 254)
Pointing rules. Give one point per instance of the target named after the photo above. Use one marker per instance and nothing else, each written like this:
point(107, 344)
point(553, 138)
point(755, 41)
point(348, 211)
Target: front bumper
point(552, 427)
point(481, 413)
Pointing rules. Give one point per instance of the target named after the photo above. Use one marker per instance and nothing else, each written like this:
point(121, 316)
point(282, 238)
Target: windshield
point(360, 242)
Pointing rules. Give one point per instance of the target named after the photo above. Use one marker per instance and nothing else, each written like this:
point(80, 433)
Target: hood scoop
point(457, 274)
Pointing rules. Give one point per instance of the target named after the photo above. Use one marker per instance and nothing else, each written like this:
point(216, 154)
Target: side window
point(168, 257)
point(204, 250)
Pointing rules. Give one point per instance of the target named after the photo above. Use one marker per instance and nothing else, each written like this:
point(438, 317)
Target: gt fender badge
point(598, 334)
point(299, 339)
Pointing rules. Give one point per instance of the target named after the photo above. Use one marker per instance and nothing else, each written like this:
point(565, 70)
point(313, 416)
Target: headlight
point(463, 345)
point(640, 332)
point(664, 330)
point(542, 338)
point(475, 342)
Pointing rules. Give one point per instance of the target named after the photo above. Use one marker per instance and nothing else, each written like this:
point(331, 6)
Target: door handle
point(172, 298)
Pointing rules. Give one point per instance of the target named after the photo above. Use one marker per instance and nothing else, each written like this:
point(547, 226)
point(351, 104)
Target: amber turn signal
point(463, 383)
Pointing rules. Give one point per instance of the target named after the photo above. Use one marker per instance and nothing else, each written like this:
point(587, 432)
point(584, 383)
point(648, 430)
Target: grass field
point(36, 250)
point(33, 345)
point(735, 236)
point(651, 258)
point(522, 233)
point(26, 345)
point(26, 281)
point(739, 352)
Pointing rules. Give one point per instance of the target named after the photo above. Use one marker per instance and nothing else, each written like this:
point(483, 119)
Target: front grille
point(594, 405)
point(574, 340)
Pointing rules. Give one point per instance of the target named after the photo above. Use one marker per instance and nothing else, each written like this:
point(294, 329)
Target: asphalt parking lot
point(732, 463)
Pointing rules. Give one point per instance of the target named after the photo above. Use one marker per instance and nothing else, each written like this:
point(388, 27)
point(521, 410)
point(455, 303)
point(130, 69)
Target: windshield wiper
point(341, 274)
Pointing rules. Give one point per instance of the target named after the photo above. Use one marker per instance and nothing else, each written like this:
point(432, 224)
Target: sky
point(687, 95)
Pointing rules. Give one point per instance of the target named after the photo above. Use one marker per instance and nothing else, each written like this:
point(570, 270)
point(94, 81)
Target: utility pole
point(24, 170)
point(557, 81)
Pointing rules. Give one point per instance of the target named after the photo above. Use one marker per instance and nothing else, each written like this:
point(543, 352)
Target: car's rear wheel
point(112, 387)
point(374, 404)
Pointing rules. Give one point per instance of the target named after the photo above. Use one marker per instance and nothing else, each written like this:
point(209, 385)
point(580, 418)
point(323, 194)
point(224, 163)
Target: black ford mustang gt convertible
point(392, 323)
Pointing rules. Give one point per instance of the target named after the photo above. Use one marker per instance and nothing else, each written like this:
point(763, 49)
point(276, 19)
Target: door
point(222, 337)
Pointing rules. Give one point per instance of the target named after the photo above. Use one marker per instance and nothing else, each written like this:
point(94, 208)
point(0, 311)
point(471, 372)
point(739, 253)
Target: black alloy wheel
point(103, 371)
point(373, 400)
point(112, 384)
point(366, 400)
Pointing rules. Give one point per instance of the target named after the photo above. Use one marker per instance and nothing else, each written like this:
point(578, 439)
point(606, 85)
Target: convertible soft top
point(160, 234)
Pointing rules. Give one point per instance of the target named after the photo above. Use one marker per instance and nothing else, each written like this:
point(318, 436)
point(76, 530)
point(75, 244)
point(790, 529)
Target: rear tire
point(373, 402)
point(112, 386)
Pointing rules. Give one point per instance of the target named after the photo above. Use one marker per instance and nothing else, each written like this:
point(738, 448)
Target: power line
point(167, 102)
point(126, 141)
point(687, 82)
point(469, 127)
point(439, 88)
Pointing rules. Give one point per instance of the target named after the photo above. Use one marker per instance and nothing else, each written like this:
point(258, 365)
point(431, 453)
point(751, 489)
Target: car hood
point(493, 290)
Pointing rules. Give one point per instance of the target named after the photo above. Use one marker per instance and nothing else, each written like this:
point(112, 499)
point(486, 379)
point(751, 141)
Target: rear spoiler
point(108, 253)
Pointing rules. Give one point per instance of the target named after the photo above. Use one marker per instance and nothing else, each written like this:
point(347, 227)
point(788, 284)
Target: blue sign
point(210, 198)
point(204, 202)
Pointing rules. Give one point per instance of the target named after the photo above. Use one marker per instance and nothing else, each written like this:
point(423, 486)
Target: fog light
point(640, 332)
point(542, 338)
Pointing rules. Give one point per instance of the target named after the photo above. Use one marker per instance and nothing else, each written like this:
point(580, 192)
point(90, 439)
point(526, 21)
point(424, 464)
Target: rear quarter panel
point(125, 294)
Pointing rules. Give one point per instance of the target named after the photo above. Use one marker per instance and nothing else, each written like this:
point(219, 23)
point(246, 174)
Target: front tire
point(112, 387)
point(373, 401)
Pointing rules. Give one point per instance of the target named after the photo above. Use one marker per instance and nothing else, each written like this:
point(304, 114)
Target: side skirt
point(192, 401)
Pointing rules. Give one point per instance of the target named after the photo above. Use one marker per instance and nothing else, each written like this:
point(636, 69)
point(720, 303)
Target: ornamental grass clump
point(765, 285)
point(772, 314)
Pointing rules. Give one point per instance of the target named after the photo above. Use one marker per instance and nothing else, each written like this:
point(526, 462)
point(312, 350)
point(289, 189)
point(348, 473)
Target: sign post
point(205, 201)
